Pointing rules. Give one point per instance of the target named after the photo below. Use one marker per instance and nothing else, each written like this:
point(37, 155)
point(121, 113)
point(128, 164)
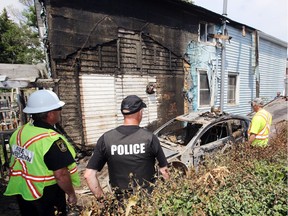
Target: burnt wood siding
point(74, 25)
point(101, 59)
point(67, 89)
point(138, 55)
point(158, 61)
point(124, 38)
point(118, 40)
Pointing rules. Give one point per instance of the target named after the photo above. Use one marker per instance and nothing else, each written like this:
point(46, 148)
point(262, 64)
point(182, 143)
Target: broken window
point(232, 89)
point(204, 90)
point(204, 30)
point(178, 132)
point(238, 128)
point(215, 133)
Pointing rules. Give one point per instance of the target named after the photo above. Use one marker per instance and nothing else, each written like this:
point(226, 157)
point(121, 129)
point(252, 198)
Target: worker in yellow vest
point(42, 168)
point(260, 125)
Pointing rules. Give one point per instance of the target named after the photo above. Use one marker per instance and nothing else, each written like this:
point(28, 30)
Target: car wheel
point(179, 166)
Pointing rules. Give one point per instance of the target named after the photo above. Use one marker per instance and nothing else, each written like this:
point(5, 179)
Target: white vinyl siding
point(98, 105)
point(101, 97)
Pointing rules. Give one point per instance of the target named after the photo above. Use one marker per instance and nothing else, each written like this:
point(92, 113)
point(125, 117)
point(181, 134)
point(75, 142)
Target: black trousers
point(53, 202)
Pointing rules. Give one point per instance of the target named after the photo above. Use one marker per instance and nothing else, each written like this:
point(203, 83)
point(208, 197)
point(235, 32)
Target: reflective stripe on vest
point(29, 178)
point(262, 135)
point(23, 172)
point(267, 117)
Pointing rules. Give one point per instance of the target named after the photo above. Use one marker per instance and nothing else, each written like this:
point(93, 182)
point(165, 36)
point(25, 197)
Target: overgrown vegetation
point(244, 181)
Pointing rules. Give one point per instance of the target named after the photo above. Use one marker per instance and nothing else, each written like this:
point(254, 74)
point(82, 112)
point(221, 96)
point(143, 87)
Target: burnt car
point(187, 138)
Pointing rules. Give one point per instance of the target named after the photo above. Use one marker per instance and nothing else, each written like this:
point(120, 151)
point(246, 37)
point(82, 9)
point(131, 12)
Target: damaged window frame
point(204, 93)
point(205, 29)
point(233, 89)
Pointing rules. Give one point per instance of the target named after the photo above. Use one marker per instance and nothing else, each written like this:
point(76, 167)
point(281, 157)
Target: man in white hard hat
point(42, 168)
point(260, 125)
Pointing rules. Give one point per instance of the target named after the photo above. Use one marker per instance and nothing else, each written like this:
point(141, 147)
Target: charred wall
point(140, 54)
point(74, 25)
point(94, 60)
point(131, 53)
point(85, 40)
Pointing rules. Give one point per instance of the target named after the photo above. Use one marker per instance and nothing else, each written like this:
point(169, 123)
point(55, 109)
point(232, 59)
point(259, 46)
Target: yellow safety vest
point(260, 125)
point(29, 174)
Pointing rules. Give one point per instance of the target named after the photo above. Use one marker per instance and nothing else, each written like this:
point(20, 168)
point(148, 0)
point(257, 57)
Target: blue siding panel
point(238, 60)
point(241, 60)
point(272, 68)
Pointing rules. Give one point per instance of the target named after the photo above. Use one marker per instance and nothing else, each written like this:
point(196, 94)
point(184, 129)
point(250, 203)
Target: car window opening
point(214, 133)
point(179, 132)
point(238, 128)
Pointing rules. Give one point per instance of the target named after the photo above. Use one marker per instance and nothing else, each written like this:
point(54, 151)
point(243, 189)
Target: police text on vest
point(128, 149)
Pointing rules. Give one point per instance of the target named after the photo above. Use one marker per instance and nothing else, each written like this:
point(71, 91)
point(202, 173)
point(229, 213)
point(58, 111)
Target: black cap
point(132, 104)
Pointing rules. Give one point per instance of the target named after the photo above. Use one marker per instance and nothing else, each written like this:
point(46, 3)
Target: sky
point(268, 16)
point(11, 5)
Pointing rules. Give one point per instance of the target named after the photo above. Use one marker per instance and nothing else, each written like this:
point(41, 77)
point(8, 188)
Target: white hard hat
point(42, 101)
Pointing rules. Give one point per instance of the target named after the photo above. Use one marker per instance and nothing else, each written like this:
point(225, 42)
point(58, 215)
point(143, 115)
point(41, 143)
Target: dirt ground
point(9, 207)
point(85, 197)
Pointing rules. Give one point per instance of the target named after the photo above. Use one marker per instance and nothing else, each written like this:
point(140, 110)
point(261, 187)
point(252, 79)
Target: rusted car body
point(187, 138)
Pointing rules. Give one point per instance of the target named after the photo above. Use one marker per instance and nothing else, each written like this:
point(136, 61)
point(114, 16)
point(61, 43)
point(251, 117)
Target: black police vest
point(130, 158)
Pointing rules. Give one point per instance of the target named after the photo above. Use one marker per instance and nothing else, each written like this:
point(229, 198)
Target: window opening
point(238, 128)
point(232, 89)
point(214, 133)
point(204, 30)
point(178, 132)
point(204, 90)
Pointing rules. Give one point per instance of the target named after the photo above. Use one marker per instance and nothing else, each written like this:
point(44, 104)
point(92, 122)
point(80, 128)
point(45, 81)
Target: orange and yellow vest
point(260, 125)
point(29, 174)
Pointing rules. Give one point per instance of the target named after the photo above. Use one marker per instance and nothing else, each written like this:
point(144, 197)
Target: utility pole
point(223, 60)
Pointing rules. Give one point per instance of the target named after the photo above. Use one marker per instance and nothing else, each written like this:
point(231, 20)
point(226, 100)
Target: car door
point(213, 138)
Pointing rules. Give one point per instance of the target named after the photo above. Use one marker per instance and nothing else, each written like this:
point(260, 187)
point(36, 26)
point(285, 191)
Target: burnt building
point(168, 52)
point(102, 51)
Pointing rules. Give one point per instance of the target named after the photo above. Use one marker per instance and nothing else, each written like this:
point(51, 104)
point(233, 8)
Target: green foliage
point(244, 181)
point(258, 190)
point(19, 43)
point(31, 17)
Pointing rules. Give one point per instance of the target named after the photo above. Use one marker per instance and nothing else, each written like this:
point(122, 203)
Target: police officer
point(130, 152)
point(42, 168)
point(260, 125)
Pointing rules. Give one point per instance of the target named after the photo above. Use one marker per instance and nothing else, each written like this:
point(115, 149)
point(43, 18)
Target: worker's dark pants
point(52, 202)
